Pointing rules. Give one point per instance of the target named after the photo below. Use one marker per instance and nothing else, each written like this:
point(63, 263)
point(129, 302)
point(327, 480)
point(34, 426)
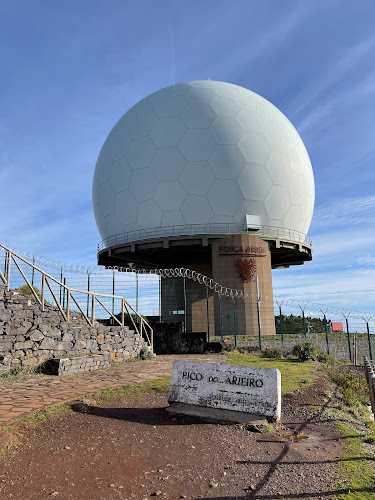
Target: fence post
point(88, 296)
point(348, 337)
point(43, 289)
point(281, 325)
point(221, 318)
point(234, 322)
point(113, 300)
point(32, 272)
point(304, 324)
point(92, 309)
point(258, 314)
point(122, 314)
point(369, 340)
point(8, 270)
point(61, 278)
point(208, 316)
point(67, 305)
point(184, 284)
point(64, 291)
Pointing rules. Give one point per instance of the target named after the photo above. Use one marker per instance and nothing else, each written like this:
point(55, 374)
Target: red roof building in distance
point(337, 327)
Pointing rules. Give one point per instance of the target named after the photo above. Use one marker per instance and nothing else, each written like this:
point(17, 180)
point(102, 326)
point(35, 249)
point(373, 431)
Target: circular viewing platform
point(168, 246)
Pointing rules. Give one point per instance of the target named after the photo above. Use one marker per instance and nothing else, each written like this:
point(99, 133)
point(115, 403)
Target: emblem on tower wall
point(247, 269)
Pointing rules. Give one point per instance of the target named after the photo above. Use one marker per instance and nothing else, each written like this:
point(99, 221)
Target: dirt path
point(132, 449)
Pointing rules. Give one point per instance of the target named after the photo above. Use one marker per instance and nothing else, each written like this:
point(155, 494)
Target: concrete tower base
point(235, 262)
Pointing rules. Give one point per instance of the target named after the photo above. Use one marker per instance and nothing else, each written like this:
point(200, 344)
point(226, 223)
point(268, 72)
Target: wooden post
point(67, 304)
point(122, 314)
point(43, 289)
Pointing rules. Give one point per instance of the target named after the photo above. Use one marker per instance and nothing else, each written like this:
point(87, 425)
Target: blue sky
point(71, 69)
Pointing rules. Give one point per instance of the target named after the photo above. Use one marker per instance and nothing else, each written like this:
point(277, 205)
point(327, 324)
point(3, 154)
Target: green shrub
point(145, 354)
point(26, 290)
point(306, 351)
point(272, 353)
point(352, 384)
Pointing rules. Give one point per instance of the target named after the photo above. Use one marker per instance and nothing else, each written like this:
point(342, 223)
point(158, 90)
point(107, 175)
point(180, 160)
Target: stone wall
point(29, 336)
point(338, 345)
point(77, 364)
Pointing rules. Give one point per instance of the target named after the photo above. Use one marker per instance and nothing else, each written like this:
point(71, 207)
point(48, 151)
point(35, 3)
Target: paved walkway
point(19, 398)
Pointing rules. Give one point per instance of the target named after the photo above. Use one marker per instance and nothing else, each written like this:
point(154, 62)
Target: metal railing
point(370, 377)
point(141, 326)
point(204, 229)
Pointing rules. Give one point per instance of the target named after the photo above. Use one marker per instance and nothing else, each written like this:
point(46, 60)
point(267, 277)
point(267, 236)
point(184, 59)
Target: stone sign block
point(228, 387)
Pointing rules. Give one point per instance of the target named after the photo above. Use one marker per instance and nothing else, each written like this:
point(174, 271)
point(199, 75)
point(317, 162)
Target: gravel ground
point(136, 450)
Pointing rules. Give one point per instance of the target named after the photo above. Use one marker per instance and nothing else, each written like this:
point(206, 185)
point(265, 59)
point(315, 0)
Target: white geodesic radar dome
point(198, 153)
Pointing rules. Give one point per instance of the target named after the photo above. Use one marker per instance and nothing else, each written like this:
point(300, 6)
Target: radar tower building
point(212, 177)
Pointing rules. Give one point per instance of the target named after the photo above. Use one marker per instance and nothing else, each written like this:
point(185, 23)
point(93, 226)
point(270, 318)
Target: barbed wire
point(182, 272)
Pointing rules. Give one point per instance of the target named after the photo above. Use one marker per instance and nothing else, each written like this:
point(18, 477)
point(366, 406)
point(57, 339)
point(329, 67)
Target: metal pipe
point(221, 318)
point(208, 316)
point(258, 313)
point(326, 331)
point(304, 324)
point(184, 284)
point(281, 326)
point(369, 340)
point(234, 322)
point(348, 337)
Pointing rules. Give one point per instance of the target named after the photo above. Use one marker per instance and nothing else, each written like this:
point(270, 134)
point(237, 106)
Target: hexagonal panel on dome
point(172, 218)
point(197, 177)
point(148, 214)
point(227, 91)
point(280, 168)
point(170, 106)
point(255, 148)
point(268, 112)
point(113, 225)
point(276, 137)
point(225, 197)
point(125, 207)
point(246, 102)
point(309, 182)
point(255, 181)
point(307, 209)
point(225, 106)
point(250, 121)
point(278, 202)
point(142, 184)
point(293, 217)
point(227, 161)
point(120, 146)
point(226, 130)
point(105, 199)
point(119, 175)
point(168, 132)
point(197, 144)
point(198, 115)
point(296, 158)
point(141, 152)
point(196, 209)
point(143, 125)
point(169, 195)
point(297, 189)
point(195, 94)
point(167, 163)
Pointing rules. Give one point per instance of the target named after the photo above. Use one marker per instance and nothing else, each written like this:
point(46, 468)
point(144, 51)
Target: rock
point(48, 343)
point(36, 336)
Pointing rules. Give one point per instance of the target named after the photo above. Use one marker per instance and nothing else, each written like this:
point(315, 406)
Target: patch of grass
point(293, 373)
point(356, 473)
point(130, 391)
